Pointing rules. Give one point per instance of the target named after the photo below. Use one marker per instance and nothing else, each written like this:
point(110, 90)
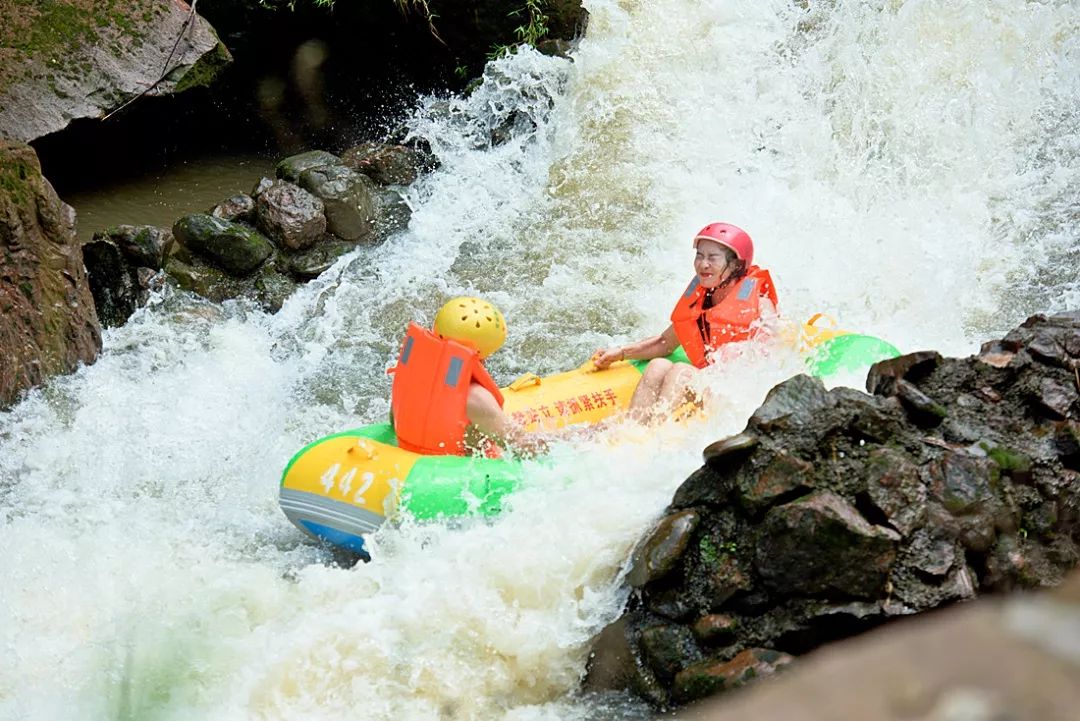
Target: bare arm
point(489, 419)
point(655, 347)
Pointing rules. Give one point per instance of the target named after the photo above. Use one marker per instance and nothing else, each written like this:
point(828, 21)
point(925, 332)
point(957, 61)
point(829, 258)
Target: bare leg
point(648, 388)
point(664, 386)
point(678, 399)
point(675, 390)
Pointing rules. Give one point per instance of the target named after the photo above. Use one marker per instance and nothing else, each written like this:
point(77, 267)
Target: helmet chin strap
point(724, 278)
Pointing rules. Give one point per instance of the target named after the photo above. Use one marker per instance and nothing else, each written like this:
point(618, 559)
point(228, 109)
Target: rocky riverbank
point(836, 511)
point(260, 245)
point(47, 321)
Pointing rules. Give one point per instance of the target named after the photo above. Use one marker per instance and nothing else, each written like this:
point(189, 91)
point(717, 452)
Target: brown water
point(160, 198)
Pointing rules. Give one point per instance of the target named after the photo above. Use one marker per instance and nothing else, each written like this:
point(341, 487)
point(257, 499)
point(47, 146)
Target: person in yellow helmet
point(443, 401)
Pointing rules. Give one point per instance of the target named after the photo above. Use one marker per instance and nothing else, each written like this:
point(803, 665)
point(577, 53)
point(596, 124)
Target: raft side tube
point(849, 352)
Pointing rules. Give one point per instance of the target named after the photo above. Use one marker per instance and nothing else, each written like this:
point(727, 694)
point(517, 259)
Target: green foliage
point(534, 27)
point(291, 4)
point(712, 552)
point(404, 6)
point(203, 72)
point(15, 178)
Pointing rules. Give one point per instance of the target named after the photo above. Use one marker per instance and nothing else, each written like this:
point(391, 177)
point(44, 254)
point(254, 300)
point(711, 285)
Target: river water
point(908, 167)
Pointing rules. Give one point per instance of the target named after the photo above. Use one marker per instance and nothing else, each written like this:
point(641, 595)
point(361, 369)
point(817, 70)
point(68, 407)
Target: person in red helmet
point(723, 304)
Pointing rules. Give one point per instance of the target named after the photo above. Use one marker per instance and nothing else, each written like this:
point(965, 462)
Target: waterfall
point(910, 168)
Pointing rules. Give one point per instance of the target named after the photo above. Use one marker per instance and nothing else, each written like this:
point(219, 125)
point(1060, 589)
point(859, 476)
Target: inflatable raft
point(343, 486)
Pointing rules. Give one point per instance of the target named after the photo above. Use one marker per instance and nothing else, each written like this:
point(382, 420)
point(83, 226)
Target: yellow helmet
point(472, 321)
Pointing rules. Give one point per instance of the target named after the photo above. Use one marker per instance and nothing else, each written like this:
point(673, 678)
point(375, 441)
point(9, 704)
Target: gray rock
point(311, 263)
point(385, 164)
point(614, 665)
point(894, 486)
point(348, 198)
point(933, 556)
point(114, 282)
point(668, 648)
point(267, 287)
point(706, 486)
point(794, 402)
point(718, 453)
point(261, 185)
point(290, 216)
point(922, 409)
point(883, 375)
point(144, 246)
point(239, 207)
point(784, 475)
point(821, 544)
point(392, 213)
point(85, 64)
point(1057, 398)
point(292, 167)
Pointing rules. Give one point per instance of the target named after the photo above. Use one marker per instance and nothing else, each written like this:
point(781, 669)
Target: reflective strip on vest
point(453, 371)
point(692, 287)
point(406, 350)
point(747, 288)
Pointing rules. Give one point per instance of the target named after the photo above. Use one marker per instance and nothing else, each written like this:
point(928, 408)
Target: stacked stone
point(261, 245)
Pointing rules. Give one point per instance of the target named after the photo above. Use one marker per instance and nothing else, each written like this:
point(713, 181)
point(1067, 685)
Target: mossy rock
point(233, 247)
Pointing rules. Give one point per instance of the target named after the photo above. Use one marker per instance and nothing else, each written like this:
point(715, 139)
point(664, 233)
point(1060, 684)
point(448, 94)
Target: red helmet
point(729, 236)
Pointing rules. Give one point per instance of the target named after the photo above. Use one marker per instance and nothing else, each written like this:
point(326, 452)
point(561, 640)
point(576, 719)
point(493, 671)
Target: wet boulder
point(239, 207)
point(662, 550)
point(267, 286)
point(822, 544)
point(387, 164)
point(894, 487)
point(235, 248)
point(144, 246)
point(261, 185)
point(290, 216)
point(667, 647)
point(114, 282)
point(347, 197)
point(392, 212)
point(292, 167)
point(312, 262)
point(122, 263)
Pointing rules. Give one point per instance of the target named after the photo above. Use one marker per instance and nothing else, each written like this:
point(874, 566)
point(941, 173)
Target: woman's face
point(712, 263)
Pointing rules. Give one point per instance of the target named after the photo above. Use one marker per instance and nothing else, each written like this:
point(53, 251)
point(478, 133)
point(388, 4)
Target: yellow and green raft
point(343, 486)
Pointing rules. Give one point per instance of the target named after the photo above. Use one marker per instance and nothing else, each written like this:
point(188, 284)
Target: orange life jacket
point(430, 390)
point(731, 319)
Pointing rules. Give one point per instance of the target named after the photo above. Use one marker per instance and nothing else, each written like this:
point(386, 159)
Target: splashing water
point(911, 168)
